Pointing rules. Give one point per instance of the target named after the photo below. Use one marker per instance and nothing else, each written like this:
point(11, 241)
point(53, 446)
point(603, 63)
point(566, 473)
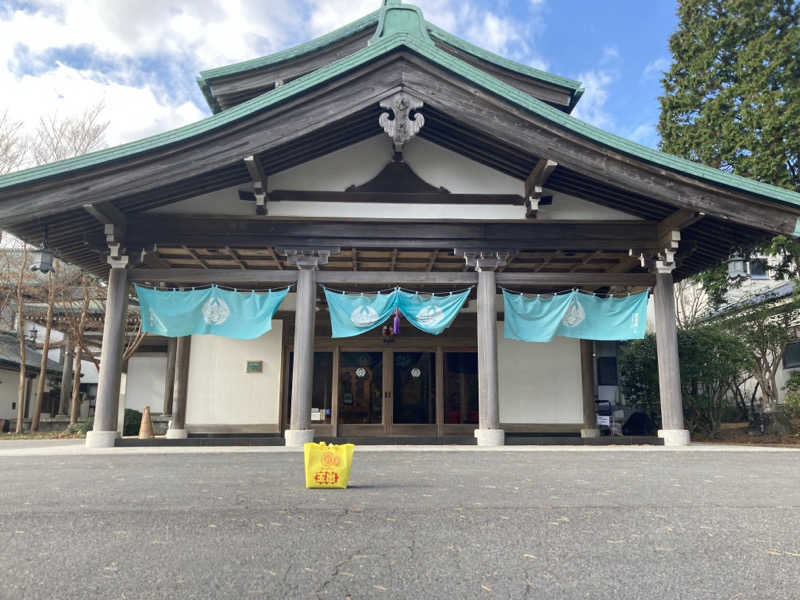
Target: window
point(737, 267)
point(791, 356)
point(607, 370)
point(321, 391)
point(758, 269)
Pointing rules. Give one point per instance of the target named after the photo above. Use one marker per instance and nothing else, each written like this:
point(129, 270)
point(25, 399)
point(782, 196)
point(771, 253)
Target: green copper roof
point(400, 20)
point(312, 46)
point(445, 61)
point(396, 18)
point(463, 45)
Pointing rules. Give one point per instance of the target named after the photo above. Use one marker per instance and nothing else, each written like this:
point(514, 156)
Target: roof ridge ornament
point(403, 126)
point(396, 18)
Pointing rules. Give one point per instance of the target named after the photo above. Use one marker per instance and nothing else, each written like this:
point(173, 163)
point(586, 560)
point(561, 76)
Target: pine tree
point(732, 96)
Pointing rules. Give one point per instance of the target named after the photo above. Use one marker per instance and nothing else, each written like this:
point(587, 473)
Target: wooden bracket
point(259, 178)
point(308, 258)
point(534, 185)
point(484, 259)
point(115, 225)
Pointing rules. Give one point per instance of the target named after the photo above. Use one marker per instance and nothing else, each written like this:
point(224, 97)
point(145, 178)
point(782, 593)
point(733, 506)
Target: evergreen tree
point(732, 95)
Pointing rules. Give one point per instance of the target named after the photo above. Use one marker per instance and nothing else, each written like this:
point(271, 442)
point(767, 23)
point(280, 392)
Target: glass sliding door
point(461, 388)
point(321, 391)
point(415, 388)
point(361, 388)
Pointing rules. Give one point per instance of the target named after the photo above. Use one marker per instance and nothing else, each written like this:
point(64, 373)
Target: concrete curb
point(79, 449)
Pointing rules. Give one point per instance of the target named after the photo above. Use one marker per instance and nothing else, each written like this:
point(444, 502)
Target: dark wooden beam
point(256, 232)
point(395, 198)
point(678, 220)
point(261, 277)
point(113, 220)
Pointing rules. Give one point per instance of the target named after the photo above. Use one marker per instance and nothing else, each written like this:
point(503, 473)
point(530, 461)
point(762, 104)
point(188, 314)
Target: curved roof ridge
point(462, 44)
point(310, 46)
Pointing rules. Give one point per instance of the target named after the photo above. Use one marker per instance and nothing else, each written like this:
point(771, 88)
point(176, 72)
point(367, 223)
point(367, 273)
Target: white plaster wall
point(9, 380)
point(220, 392)
point(360, 162)
point(539, 383)
point(145, 382)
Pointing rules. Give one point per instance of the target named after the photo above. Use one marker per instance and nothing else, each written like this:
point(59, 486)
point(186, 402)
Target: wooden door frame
point(335, 429)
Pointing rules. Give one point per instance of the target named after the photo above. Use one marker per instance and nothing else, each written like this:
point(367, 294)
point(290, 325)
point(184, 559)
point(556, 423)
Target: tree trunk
point(76, 386)
point(22, 349)
point(51, 300)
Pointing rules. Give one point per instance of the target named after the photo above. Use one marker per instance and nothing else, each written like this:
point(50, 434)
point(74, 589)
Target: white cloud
point(645, 134)
point(596, 82)
point(591, 108)
point(133, 112)
point(656, 69)
point(142, 57)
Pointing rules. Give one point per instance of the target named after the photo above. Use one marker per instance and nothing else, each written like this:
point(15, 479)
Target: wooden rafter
point(275, 258)
point(194, 255)
point(235, 257)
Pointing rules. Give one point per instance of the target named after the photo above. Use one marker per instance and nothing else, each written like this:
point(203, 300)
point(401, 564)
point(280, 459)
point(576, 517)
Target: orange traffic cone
point(146, 428)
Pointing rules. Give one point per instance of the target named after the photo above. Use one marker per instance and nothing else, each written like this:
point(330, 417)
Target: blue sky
point(141, 58)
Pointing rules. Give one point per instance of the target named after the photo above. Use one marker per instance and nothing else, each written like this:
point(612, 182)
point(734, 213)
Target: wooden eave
point(461, 115)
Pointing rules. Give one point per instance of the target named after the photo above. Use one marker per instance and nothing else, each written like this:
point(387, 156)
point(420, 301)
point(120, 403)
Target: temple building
point(388, 153)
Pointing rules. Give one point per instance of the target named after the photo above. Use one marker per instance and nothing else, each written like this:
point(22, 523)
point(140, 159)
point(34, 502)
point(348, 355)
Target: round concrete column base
point(298, 437)
point(101, 439)
point(674, 437)
point(590, 433)
point(490, 437)
point(177, 434)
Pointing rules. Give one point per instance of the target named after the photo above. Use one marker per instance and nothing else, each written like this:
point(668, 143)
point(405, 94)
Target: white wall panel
point(539, 383)
point(221, 392)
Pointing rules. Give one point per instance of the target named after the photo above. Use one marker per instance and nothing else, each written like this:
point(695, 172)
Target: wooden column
point(486, 262)
point(307, 261)
point(589, 429)
point(488, 403)
point(177, 428)
point(669, 375)
point(169, 375)
point(66, 376)
point(105, 414)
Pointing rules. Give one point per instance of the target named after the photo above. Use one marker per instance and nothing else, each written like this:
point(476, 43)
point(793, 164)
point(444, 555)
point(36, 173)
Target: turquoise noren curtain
point(353, 315)
point(574, 315)
point(210, 311)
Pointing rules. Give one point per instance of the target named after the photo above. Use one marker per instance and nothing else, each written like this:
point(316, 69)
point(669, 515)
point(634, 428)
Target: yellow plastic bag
point(328, 466)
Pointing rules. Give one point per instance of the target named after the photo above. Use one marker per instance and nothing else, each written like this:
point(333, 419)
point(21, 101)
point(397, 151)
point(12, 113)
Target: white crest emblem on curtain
point(364, 316)
point(216, 311)
point(430, 316)
point(575, 314)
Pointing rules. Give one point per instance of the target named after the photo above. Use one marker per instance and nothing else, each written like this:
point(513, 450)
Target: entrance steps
point(277, 440)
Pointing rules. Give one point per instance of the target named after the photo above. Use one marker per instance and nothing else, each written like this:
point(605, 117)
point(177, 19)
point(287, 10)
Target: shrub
point(791, 403)
point(710, 359)
point(133, 420)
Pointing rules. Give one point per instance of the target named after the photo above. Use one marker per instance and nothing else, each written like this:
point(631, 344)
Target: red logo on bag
point(330, 460)
point(326, 478)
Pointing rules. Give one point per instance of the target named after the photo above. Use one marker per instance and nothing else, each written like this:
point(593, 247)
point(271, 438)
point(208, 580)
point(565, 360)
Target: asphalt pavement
point(558, 524)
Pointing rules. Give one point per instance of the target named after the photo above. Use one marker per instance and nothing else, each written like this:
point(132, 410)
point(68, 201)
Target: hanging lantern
point(43, 261)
